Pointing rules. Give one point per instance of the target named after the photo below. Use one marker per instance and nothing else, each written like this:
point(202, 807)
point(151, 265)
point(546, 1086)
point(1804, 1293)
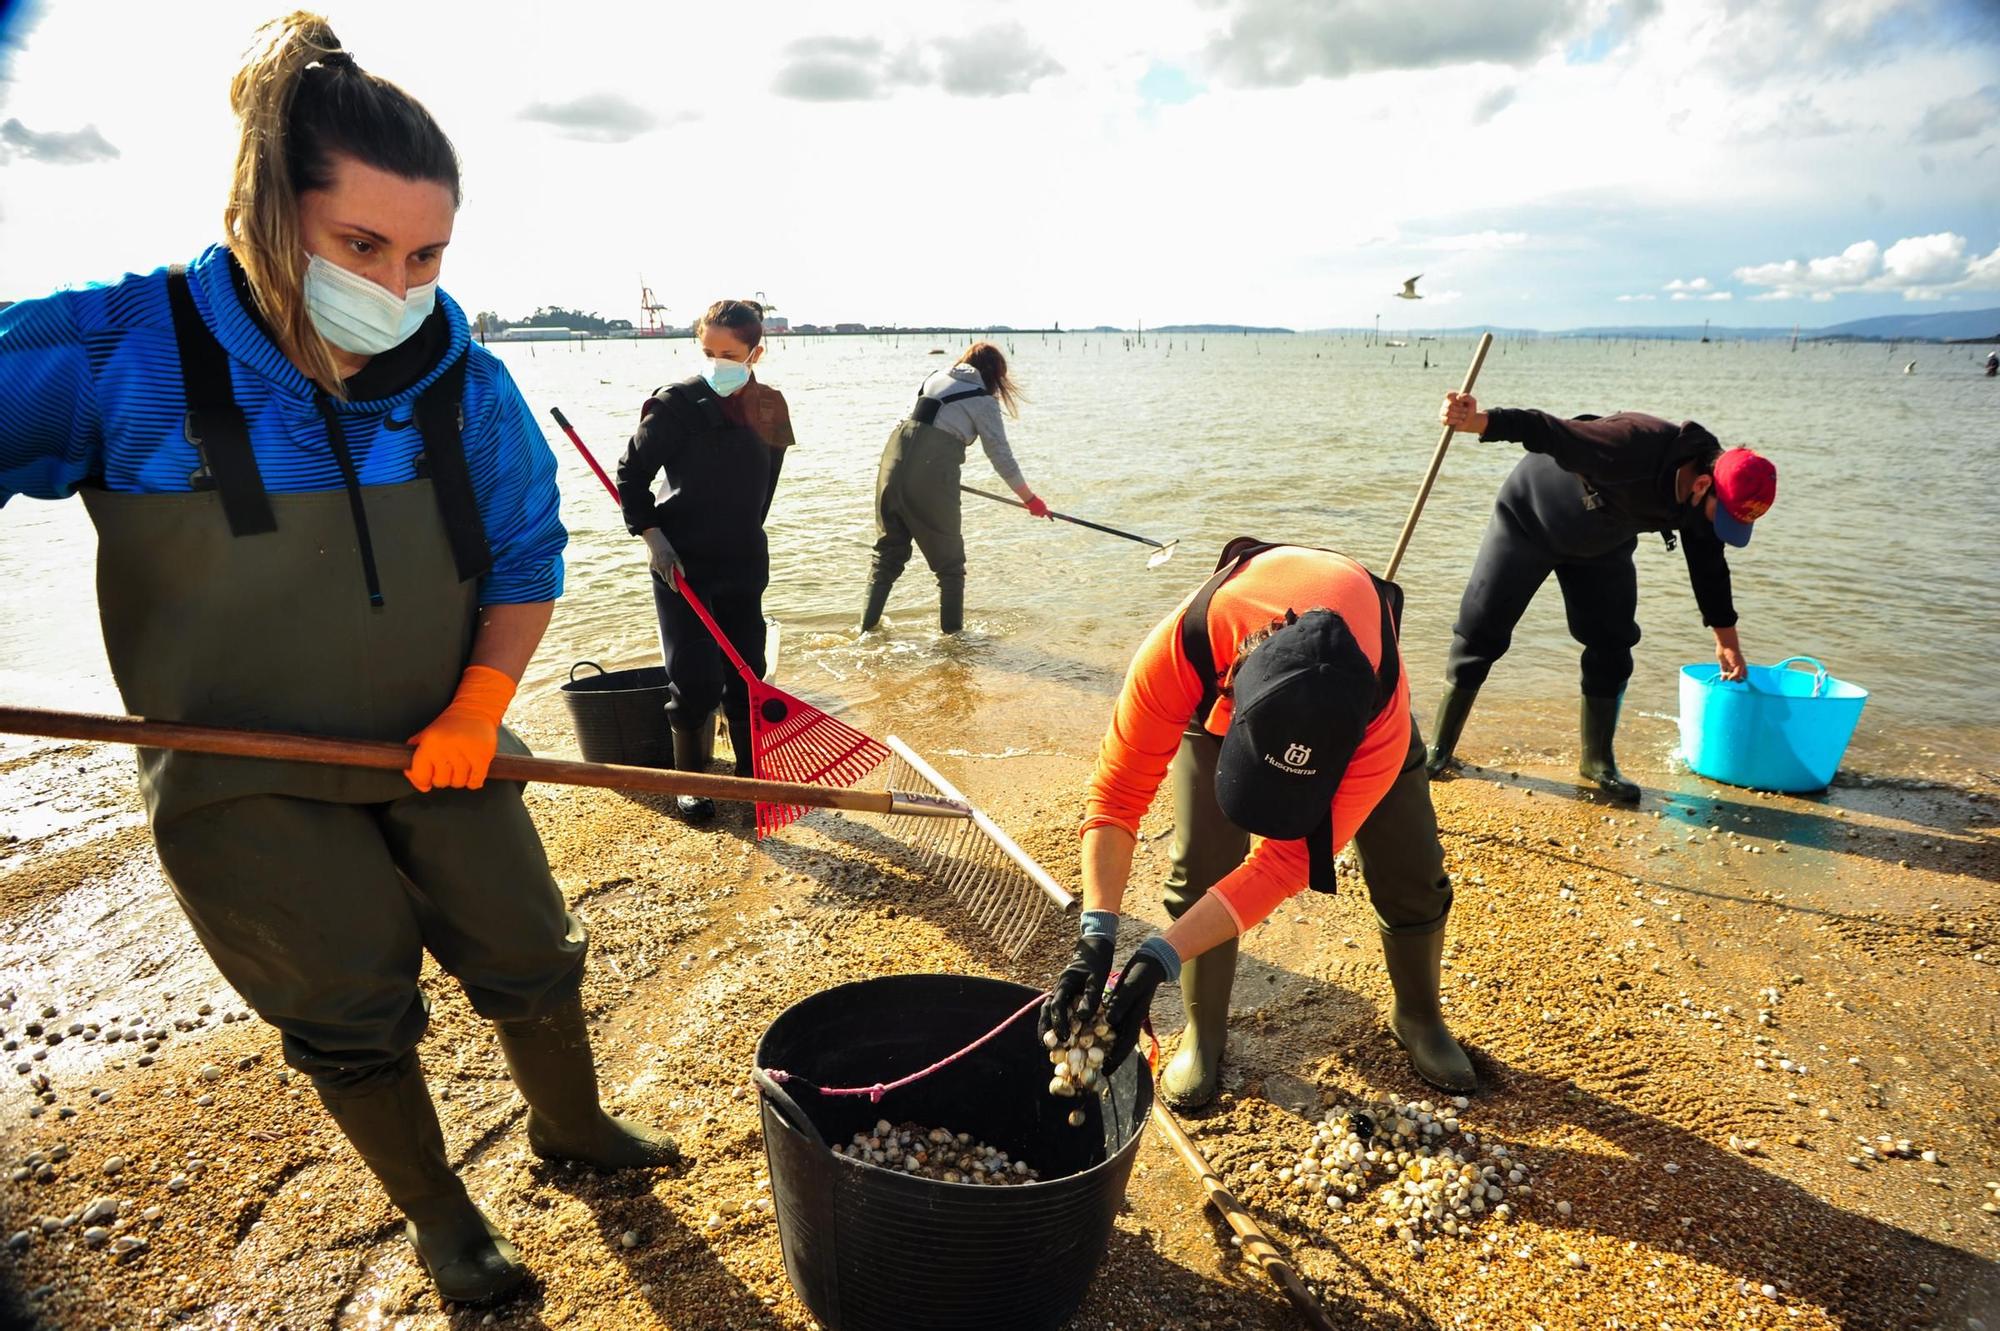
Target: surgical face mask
point(726, 376)
point(360, 316)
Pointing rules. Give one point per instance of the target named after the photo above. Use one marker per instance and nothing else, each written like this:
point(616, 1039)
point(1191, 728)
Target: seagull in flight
point(1409, 291)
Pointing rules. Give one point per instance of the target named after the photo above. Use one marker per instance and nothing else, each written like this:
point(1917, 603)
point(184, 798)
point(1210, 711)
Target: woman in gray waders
point(320, 509)
point(1575, 507)
point(715, 442)
point(916, 487)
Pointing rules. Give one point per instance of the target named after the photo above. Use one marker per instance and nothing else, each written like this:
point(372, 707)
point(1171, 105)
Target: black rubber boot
point(392, 1124)
point(741, 744)
point(549, 1058)
point(878, 599)
point(1453, 708)
point(693, 750)
point(1599, 768)
point(1415, 962)
point(1191, 1076)
point(951, 603)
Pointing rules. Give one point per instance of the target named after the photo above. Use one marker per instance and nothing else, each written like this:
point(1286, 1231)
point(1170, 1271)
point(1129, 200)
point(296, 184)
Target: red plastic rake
point(790, 740)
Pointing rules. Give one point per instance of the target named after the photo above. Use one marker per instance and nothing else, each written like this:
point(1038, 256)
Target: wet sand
point(1816, 975)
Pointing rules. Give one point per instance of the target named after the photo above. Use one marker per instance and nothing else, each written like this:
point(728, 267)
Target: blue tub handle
point(1818, 671)
point(581, 664)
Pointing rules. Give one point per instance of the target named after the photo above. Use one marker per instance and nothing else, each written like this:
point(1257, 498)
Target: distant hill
point(1682, 332)
point(1952, 324)
point(1215, 328)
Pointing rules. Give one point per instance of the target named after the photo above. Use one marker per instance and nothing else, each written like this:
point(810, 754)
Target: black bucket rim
point(594, 685)
point(767, 1085)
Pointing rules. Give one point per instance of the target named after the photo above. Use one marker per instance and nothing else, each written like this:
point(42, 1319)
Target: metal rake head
point(994, 881)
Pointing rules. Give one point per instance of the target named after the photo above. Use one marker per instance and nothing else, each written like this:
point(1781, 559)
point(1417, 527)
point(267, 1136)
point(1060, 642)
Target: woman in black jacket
point(716, 443)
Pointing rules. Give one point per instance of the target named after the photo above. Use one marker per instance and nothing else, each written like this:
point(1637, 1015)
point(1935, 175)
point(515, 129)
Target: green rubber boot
point(1599, 768)
point(393, 1125)
point(1415, 962)
point(879, 588)
point(549, 1058)
point(1191, 1076)
point(694, 749)
point(1453, 708)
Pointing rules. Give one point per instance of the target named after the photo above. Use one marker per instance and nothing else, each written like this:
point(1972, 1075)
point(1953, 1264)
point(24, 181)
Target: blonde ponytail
point(262, 217)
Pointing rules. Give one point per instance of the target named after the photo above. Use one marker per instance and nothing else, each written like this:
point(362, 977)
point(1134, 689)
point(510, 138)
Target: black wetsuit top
point(720, 476)
point(1619, 472)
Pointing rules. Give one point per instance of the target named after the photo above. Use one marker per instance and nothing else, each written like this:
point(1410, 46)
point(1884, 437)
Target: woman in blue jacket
point(321, 509)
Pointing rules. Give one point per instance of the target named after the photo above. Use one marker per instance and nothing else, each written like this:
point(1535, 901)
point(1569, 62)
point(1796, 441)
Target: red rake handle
point(687, 592)
point(577, 439)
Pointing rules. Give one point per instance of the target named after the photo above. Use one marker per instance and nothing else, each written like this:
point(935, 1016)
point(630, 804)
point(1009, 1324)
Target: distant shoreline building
point(537, 335)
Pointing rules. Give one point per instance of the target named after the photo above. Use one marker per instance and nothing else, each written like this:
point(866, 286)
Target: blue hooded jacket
point(90, 390)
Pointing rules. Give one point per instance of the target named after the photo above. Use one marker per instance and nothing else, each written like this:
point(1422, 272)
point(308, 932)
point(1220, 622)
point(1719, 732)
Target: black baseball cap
point(1304, 699)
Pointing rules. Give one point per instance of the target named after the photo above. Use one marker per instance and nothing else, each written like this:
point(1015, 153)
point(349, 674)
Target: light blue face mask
point(726, 376)
point(360, 316)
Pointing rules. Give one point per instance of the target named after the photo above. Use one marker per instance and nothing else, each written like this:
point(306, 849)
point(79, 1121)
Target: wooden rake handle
point(388, 757)
point(1437, 461)
point(1255, 1244)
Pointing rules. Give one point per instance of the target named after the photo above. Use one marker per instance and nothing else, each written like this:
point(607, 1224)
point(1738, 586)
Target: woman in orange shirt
point(1304, 741)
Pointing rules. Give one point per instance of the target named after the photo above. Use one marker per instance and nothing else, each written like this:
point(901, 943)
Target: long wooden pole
point(391, 757)
point(1255, 1245)
point(1437, 461)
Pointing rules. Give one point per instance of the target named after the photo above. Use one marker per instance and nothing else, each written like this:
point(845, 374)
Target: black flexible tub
point(869, 1248)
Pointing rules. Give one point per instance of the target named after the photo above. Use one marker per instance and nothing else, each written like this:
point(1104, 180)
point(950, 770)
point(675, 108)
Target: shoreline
point(1607, 968)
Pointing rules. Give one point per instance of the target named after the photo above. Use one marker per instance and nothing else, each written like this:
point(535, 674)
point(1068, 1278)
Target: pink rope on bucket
point(879, 1089)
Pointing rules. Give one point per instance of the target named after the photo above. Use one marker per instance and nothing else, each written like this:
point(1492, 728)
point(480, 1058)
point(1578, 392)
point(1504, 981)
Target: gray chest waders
point(916, 503)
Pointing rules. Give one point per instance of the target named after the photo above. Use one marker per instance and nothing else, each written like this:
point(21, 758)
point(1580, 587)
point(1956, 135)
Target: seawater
point(1878, 559)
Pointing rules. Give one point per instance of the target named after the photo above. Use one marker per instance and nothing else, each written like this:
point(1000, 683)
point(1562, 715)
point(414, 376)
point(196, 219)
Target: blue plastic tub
point(1781, 729)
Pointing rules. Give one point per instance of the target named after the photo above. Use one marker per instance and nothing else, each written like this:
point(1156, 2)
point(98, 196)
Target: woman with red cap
point(1575, 507)
point(1275, 703)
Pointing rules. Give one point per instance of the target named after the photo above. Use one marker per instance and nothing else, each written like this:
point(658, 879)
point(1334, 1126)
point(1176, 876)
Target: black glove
point(1083, 978)
point(1132, 1000)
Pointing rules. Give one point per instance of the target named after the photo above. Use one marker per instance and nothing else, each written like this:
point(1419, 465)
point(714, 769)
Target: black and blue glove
point(1082, 981)
point(1154, 963)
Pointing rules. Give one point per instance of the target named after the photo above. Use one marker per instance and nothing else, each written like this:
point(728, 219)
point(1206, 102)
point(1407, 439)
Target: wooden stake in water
point(1437, 461)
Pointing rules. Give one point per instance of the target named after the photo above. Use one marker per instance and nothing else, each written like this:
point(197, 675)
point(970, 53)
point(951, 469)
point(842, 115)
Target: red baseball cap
point(1746, 485)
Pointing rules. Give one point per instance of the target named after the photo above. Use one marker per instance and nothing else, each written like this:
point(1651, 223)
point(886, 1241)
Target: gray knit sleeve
point(986, 419)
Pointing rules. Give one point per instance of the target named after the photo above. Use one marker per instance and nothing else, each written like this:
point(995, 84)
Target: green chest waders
point(347, 614)
point(315, 889)
point(916, 503)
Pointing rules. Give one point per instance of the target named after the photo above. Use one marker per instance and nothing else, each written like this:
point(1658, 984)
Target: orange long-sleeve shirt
point(1162, 690)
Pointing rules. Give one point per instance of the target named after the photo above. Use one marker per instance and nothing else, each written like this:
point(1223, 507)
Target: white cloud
point(1479, 240)
point(1920, 260)
point(76, 147)
point(1644, 295)
point(1691, 170)
point(1679, 286)
point(1720, 295)
point(1281, 43)
point(1916, 267)
point(1960, 117)
point(600, 117)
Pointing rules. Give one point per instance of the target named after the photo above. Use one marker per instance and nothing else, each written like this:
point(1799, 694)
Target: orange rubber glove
point(456, 749)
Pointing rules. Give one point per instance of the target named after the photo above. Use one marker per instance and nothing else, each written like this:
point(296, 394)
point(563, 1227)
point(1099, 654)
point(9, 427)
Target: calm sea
point(1879, 558)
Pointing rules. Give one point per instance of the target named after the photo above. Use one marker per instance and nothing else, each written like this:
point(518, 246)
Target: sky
point(1543, 163)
